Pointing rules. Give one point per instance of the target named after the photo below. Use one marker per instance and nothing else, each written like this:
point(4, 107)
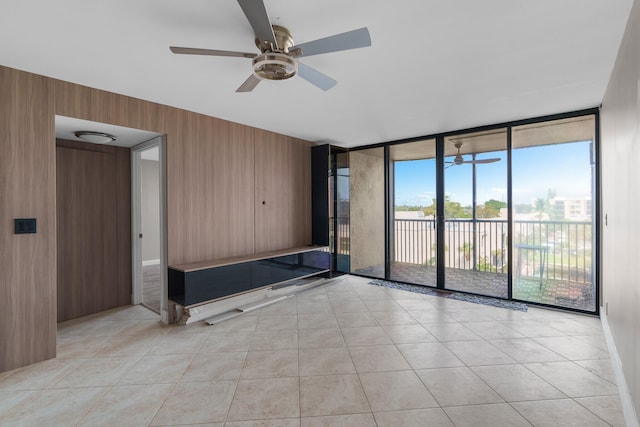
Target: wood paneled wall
point(210, 190)
point(212, 168)
point(212, 176)
point(282, 198)
point(27, 189)
point(93, 189)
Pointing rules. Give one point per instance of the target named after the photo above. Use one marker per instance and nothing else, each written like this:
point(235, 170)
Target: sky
point(564, 168)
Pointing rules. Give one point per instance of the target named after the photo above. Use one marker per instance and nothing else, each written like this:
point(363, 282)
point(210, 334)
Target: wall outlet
point(606, 308)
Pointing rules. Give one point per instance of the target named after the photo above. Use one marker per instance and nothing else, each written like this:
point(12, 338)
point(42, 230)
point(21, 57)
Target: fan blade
point(212, 52)
point(483, 161)
point(344, 41)
point(256, 14)
point(315, 77)
point(249, 84)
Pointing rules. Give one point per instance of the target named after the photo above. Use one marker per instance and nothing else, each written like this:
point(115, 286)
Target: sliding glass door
point(475, 213)
point(553, 227)
point(505, 212)
point(413, 231)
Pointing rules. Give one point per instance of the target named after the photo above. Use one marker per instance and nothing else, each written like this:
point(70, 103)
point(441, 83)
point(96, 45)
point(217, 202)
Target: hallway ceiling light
point(94, 137)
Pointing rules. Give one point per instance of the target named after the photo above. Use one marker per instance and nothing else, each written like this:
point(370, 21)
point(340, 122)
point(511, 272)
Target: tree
point(409, 208)
point(451, 209)
point(430, 210)
point(490, 209)
point(540, 206)
point(543, 206)
point(495, 204)
point(484, 211)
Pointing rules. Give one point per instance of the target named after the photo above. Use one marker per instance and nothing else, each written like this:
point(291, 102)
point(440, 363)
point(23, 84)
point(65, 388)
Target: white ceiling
point(125, 137)
point(434, 66)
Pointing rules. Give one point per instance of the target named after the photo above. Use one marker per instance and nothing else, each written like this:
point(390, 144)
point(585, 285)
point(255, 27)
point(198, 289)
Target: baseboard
point(150, 262)
point(630, 417)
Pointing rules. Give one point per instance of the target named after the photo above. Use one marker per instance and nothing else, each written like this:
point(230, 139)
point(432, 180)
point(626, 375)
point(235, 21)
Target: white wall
point(620, 121)
point(150, 209)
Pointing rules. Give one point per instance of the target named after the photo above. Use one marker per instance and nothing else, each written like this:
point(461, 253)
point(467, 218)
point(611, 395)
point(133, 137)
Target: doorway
point(149, 226)
point(94, 212)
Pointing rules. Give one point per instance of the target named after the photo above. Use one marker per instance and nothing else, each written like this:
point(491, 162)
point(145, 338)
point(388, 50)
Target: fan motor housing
point(275, 63)
point(274, 66)
point(284, 41)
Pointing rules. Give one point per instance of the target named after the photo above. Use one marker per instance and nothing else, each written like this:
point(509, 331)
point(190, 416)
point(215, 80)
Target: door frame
point(136, 223)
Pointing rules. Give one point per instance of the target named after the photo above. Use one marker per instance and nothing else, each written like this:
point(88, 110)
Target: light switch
point(25, 225)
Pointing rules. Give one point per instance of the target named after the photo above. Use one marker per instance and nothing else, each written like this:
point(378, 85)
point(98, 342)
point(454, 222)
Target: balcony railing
point(563, 249)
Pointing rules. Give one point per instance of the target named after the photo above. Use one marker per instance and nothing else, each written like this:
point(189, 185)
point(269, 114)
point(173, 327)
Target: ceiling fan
point(459, 160)
point(278, 57)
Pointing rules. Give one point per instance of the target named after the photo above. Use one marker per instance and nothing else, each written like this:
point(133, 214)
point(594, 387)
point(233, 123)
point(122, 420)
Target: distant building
point(572, 209)
point(409, 214)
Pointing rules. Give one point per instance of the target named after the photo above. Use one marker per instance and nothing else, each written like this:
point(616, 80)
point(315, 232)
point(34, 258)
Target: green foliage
point(485, 265)
point(466, 249)
point(456, 210)
point(543, 206)
point(431, 261)
point(430, 210)
point(451, 209)
point(490, 209)
point(409, 208)
point(495, 204)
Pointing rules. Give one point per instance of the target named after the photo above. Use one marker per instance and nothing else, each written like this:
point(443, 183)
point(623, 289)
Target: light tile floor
point(343, 354)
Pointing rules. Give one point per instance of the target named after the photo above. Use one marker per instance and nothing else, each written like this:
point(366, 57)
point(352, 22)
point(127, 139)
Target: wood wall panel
point(27, 189)
point(217, 165)
point(123, 212)
point(94, 228)
point(211, 193)
point(239, 188)
point(86, 103)
point(282, 195)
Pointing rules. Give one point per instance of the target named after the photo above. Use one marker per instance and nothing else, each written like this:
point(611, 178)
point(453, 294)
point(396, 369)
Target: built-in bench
point(203, 282)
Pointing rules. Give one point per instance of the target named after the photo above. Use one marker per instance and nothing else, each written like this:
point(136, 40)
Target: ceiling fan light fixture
point(95, 137)
point(274, 66)
point(277, 60)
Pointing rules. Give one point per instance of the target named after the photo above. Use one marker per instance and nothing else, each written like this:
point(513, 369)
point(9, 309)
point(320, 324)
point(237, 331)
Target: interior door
point(149, 228)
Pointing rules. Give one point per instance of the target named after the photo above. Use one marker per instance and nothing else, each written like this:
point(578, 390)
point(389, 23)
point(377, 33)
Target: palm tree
point(466, 249)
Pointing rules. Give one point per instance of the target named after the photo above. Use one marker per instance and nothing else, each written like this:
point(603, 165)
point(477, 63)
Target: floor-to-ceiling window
point(553, 182)
point(504, 211)
point(475, 212)
point(413, 234)
point(339, 201)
